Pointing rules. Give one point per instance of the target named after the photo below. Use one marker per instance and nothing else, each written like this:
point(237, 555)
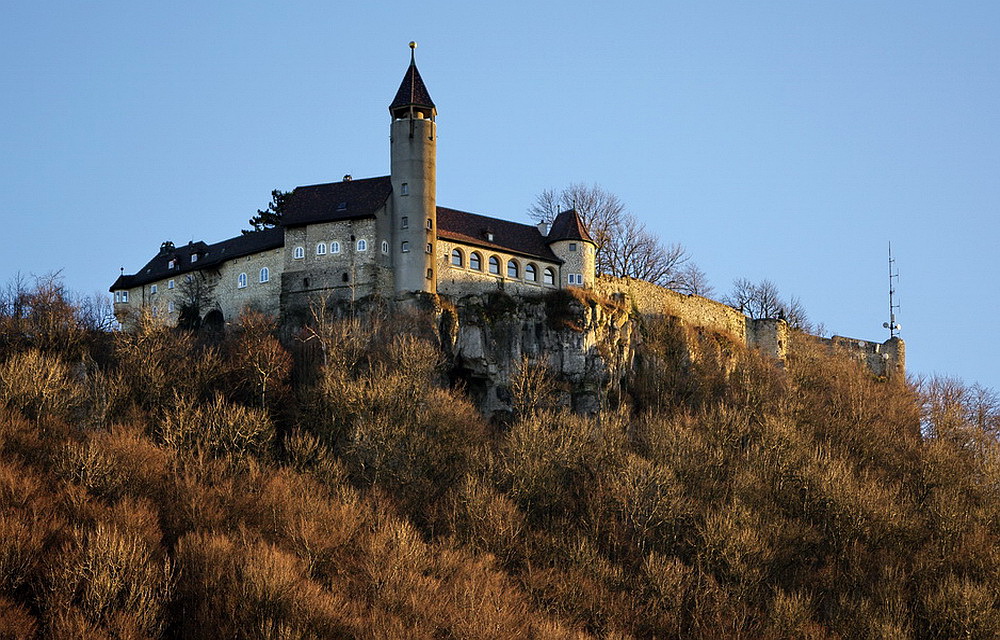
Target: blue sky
point(785, 140)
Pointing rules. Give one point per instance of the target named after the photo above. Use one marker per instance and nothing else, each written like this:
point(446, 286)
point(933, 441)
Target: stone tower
point(413, 156)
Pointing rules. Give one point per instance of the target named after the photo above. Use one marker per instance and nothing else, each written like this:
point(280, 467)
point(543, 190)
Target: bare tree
point(625, 248)
point(693, 281)
point(763, 300)
point(194, 295)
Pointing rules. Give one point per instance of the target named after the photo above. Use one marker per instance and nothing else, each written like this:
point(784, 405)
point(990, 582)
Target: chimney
point(543, 228)
point(347, 177)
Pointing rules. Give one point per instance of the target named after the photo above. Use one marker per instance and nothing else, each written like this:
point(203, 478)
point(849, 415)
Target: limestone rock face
point(587, 347)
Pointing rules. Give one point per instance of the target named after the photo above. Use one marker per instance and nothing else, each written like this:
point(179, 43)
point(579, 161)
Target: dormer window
point(172, 263)
point(342, 206)
point(489, 236)
point(194, 257)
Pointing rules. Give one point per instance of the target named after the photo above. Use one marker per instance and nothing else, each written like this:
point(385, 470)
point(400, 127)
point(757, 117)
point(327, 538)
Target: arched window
point(457, 259)
point(475, 261)
point(549, 277)
point(300, 253)
point(241, 281)
point(531, 272)
point(321, 249)
point(265, 274)
point(385, 246)
point(512, 269)
point(495, 265)
point(334, 247)
point(362, 245)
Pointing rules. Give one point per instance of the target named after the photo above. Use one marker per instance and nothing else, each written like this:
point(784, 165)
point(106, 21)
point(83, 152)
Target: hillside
point(342, 484)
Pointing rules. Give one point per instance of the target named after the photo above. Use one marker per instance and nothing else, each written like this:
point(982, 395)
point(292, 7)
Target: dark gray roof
point(346, 200)
point(412, 91)
point(209, 255)
point(511, 237)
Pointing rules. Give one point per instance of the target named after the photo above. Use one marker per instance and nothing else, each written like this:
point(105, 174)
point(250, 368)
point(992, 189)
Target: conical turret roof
point(568, 225)
point(412, 91)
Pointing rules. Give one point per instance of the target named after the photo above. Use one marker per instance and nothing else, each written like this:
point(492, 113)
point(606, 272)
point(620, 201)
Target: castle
point(351, 239)
point(386, 236)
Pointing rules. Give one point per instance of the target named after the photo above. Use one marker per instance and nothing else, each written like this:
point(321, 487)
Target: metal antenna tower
point(892, 325)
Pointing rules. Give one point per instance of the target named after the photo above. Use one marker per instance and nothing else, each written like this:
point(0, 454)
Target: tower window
point(124, 296)
point(300, 253)
point(405, 247)
point(456, 257)
point(404, 189)
point(404, 222)
point(495, 265)
point(475, 261)
point(430, 274)
point(118, 296)
point(265, 274)
point(362, 245)
point(385, 247)
point(321, 249)
point(241, 281)
point(429, 248)
point(430, 224)
point(572, 246)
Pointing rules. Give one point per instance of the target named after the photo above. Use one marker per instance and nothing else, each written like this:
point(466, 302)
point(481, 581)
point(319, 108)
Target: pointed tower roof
point(412, 91)
point(568, 225)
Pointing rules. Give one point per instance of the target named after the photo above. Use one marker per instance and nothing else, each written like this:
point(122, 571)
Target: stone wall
point(457, 281)
point(882, 358)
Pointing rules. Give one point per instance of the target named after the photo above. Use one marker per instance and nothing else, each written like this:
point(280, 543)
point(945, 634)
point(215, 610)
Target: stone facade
point(458, 276)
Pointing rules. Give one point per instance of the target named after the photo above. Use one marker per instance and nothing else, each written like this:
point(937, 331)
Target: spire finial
point(413, 47)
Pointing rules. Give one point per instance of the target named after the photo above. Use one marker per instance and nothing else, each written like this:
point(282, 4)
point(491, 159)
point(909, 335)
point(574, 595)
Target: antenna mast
point(892, 325)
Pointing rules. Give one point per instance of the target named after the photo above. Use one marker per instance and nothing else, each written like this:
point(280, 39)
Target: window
point(170, 307)
point(429, 248)
point(194, 257)
point(572, 246)
point(456, 257)
point(475, 261)
point(549, 277)
point(188, 278)
point(342, 206)
point(430, 224)
point(512, 270)
point(495, 265)
point(265, 274)
point(404, 189)
point(153, 289)
point(334, 247)
point(405, 222)
point(344, 277)
point(241, 281)
point(362, 245)
point(172, 263)
point(430, 274)
point(170, 284)
point(531, 273)
point(385, 247)
point(156, 311)
point(300, 253)
point(321, 249)
point(118, 296)
point(575, 278)
point(405, 246)
point(124, 296)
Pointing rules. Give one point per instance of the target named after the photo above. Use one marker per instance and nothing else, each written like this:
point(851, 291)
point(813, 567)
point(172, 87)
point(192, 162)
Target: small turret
point(571, 242)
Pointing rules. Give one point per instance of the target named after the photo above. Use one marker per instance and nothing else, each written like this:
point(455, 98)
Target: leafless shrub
point(39, 384)
point(16, 622)
point(218, 426)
